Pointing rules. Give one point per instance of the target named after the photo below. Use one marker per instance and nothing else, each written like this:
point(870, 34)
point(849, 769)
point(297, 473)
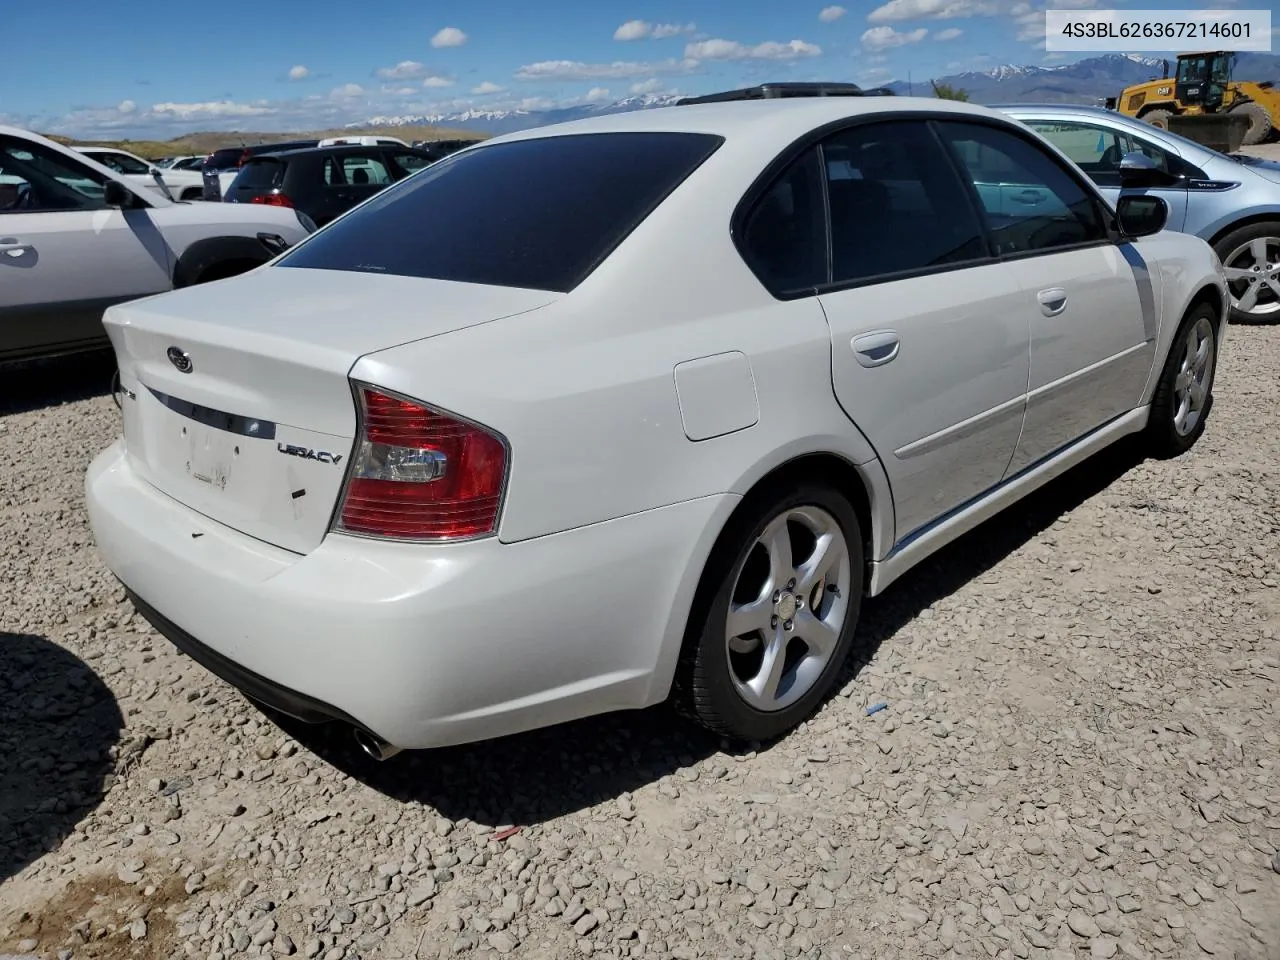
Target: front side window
point(405, 163)
point(35, 179)
point(897, 205)
point(121, 162)
point(539, 213)
point(1030, 201)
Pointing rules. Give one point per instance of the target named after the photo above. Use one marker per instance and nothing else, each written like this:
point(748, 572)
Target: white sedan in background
point(180, 184)
point(645, 405)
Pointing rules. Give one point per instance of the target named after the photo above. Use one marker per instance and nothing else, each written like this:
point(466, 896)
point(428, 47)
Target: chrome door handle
point(13, 247)
point(1029, 196)
point(874, 349)
point(1052, 301)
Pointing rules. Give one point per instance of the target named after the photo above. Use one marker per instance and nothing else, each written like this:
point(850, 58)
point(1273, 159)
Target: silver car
point(1232, 201)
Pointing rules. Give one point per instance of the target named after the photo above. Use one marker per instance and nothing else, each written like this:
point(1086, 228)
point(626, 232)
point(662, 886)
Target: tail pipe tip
point(374, 745)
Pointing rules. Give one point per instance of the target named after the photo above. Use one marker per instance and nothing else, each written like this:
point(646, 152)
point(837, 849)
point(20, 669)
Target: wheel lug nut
point(777, 595)
point(787, 625)
point(791, 584)
point(773, 621)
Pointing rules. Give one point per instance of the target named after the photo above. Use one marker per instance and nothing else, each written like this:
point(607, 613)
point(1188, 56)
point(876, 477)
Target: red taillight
point(419, 474)
point(272, 200)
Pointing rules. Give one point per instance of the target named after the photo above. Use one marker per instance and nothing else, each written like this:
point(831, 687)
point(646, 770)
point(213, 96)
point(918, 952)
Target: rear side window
point(897, 205)
point(224, 159)
point(784, 238)
point(261, 173)
point(539, 213)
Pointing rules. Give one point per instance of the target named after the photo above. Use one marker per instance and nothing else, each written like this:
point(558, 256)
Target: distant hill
point(201, 144)
point(1084, 81)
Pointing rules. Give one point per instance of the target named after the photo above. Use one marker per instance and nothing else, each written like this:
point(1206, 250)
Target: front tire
point(1251, 258)
point(1157, 118)
point(775, 613)
point(1259, 122)
point(1184, 393)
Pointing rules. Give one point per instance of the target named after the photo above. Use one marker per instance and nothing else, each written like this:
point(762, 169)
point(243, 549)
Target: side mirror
point(1139, 170)
point(116, 194)
point(1141, 216)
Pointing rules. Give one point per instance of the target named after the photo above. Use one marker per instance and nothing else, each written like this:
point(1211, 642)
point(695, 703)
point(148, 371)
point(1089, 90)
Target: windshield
point(539, 214)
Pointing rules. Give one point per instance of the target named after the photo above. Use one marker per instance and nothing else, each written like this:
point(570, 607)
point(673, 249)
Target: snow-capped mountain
point(506, 121)
point(1084, 81)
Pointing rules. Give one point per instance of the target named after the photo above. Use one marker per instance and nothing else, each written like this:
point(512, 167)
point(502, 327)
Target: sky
point(178, 67)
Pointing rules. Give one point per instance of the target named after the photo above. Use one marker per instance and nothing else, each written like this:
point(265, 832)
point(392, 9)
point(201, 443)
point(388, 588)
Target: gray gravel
point(1079, 757)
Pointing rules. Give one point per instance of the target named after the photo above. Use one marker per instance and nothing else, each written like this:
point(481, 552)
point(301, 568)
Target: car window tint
point(121, 162)
point(897, 204)
point(1093, 149)
point(261, 173)
point(332, 172)
point(784, 237)
point(407, 163)
point(1032, 204)
point(361, 169)
point(34, 178)
point(539, 213)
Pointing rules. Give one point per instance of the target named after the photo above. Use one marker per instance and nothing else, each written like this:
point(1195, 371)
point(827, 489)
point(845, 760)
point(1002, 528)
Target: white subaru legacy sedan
point(635, 407)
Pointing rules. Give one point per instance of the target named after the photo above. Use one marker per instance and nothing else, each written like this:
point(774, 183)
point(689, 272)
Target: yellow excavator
point(1204, 85)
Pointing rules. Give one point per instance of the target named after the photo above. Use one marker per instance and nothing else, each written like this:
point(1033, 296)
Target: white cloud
point(618, 70)
point(933, 10)
point(127, 107)
point(487, 88)
point(732, 50)
point(831, 14)
point(449, 37)
point(883, 38)
point(949, 34)
point(633, 30)
point(397, 91)
point(209, 109)
point(652, 85)
point(404, 70)
point(299, 72)
point(346, 91)
point(437, 82)
point(643, 29)
point(596, 95)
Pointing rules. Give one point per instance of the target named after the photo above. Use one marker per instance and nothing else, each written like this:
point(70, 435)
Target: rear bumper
point(422, 646)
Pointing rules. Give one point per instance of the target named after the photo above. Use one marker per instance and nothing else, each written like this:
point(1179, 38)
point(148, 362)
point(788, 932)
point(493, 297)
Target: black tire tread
point(1162, 439)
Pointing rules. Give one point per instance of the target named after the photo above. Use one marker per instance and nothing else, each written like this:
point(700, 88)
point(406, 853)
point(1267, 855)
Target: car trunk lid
point(235, 394)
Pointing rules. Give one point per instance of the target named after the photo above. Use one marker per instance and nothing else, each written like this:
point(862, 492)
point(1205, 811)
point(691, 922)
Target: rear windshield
point(539, 214)
point(224, 159)
point(261, 173)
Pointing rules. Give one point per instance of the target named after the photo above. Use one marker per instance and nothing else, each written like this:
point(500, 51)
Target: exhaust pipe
point(375, 746)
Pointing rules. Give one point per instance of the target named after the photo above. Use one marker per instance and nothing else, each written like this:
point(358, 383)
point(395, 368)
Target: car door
point(130, 167)
point(1098, 150)
point(65, 256)
point(1088, 300)
point(929, 346)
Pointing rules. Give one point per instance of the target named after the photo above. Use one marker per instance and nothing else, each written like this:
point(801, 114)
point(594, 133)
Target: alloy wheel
point(788, 609)
point(1253, 275)
point(1195, 374)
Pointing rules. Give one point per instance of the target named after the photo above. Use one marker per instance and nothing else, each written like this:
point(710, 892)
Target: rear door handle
point(875, 349)
point(13, 247)
point(1052, 301)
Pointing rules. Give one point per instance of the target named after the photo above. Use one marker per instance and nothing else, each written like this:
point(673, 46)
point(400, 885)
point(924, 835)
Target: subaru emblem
point(180, 360)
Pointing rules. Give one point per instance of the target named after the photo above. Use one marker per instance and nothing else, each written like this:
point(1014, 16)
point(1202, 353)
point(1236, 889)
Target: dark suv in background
point(323, 182)
point(231, 159)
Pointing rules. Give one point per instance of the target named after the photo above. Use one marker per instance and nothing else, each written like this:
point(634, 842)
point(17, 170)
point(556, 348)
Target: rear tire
point(1259, 122)
point(1184, 392)
point(790, 568)
point(1157, 118)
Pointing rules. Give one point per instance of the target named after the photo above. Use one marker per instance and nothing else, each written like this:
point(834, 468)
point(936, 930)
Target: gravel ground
point(1080, 756)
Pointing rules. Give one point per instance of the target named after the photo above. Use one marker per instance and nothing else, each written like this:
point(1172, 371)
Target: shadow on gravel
point(48, 383)
point(58, 724)
point(545, 774)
